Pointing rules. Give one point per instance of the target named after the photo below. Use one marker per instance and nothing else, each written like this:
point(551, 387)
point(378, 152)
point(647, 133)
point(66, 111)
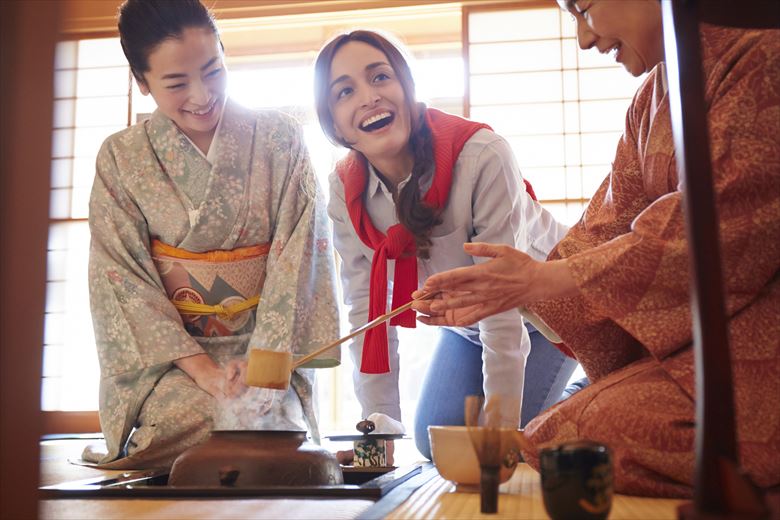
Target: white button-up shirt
point(487, 203)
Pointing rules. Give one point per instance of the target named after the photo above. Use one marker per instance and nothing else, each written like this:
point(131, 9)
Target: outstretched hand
point(510, 279)
point(449, 317)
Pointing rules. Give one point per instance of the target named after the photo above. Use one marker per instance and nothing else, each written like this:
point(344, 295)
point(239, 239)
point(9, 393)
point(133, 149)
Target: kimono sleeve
point(297, 310)
point(639, 279)
point(138, 332)
point(136, 326)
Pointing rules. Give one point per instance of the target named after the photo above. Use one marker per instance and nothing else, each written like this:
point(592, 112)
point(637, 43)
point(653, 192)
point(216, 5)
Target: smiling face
point(629, 29)
point(367, 103)
point(187, 80)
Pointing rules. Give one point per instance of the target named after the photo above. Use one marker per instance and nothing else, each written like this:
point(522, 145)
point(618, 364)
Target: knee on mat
point(421, 439)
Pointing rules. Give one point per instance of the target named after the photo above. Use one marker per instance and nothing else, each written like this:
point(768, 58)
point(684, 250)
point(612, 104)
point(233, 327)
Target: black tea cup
point(576, 480)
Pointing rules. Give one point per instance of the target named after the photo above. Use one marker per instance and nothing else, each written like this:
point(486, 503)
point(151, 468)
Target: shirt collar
point(375, 184)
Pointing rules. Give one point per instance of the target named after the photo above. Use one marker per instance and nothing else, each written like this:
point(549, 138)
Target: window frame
point(87, 421)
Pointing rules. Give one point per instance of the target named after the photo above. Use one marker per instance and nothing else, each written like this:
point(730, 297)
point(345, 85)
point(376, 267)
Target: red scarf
point(449, 134)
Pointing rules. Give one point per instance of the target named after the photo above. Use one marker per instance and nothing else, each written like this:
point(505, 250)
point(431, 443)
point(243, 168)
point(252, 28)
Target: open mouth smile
point(377, 121)
point(613, 50)
point(205, 112)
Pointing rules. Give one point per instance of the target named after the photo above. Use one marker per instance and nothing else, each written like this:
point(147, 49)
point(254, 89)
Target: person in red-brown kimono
point(616, 288)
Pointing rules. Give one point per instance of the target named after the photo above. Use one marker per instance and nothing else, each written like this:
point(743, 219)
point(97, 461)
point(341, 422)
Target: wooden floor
point(520, 499)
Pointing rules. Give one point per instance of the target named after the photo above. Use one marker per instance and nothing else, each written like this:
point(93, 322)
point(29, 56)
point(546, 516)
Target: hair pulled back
point(145, 24)
point(417, 216)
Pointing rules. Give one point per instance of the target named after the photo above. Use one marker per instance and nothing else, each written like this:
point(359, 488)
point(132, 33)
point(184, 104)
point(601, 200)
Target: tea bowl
point(456, 459)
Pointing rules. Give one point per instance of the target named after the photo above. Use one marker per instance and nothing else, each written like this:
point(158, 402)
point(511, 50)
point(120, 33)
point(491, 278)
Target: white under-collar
point(211, 155)
point(664, 79)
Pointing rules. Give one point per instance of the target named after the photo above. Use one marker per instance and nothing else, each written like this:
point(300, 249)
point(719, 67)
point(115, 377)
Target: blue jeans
point(455, 371)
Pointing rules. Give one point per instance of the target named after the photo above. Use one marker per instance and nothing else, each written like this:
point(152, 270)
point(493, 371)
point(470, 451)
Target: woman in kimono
point(417, 184)
point(615, 288)
point(209, 237)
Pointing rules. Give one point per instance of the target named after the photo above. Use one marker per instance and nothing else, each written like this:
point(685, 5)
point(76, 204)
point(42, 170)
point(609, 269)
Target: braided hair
point(417, 216)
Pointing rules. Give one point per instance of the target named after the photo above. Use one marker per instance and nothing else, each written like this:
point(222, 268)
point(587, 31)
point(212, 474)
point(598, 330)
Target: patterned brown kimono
point(630, 326)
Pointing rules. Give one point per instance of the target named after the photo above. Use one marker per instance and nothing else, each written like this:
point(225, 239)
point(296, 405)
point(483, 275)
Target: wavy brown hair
point(417, 216)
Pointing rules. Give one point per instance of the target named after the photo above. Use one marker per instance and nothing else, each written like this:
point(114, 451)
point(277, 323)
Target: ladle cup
point(272, 369)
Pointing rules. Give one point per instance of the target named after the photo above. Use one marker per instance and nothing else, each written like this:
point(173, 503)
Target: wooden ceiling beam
point(97, 18)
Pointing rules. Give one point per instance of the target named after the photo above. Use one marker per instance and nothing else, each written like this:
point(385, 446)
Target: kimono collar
point(208, 191)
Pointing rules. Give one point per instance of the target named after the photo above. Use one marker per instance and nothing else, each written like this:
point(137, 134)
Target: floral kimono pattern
point(630, 326)
point(153, 185)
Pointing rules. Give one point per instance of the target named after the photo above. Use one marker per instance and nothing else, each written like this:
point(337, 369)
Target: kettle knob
point(365, 426)
point(228, 475)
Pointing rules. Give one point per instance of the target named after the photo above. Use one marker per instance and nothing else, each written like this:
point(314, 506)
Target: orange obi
point(215, 292)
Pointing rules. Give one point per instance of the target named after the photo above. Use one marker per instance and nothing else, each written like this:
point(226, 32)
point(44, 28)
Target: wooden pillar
point(27, 41)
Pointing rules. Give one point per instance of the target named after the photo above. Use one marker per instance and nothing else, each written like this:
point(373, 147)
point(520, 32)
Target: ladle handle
point(360, 330)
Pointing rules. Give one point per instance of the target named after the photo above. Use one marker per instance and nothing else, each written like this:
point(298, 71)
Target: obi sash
point(215, 292)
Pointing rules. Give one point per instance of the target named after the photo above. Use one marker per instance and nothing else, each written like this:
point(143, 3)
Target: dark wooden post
point(720, 491)
point(29, 33)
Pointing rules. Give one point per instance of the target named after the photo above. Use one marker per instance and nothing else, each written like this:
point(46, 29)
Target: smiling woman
point(417, 184)
point(562, 119)
point(621, 28)
point(363, 77)
point(192, 96)
point(616, 289)
point(184, 70)
point(208, 238)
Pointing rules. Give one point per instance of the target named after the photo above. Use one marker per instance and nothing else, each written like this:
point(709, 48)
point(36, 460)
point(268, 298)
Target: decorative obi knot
point(225, 312)
point(213, 291)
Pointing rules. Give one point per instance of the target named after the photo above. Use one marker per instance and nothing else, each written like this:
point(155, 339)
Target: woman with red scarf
point(417, 184)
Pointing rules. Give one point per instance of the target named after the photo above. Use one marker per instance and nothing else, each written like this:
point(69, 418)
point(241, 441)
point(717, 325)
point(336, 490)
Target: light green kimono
point(152, 183)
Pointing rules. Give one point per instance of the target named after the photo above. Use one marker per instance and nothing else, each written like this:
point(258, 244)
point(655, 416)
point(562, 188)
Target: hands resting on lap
point(220, 382)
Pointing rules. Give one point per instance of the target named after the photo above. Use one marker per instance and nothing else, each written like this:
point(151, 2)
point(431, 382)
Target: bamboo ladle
point(272, 369)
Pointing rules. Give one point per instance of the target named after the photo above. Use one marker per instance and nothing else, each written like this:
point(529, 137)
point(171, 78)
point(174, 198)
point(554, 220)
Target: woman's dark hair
point(417, 216)
point(145, 24)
